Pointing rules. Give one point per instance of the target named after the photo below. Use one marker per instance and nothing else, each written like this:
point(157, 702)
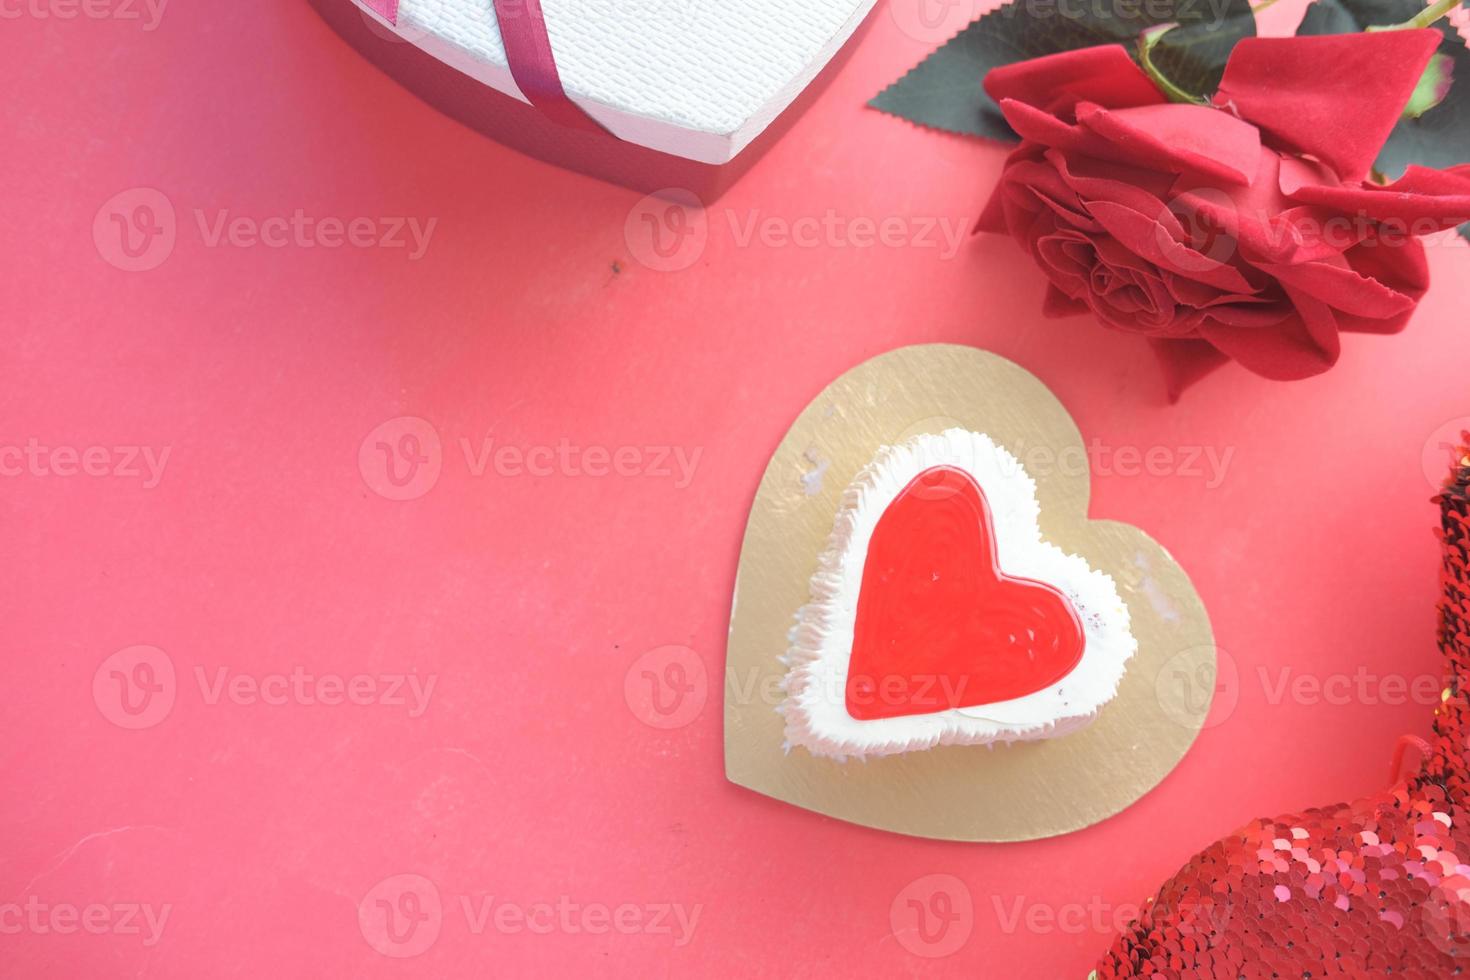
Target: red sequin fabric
point(1375, 888)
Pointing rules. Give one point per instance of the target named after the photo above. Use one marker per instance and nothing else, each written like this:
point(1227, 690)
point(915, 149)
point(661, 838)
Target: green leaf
point(946, 91)
point(1330, 17)
point(1149, 40)
point(1193, 55)
point(1440, 136)
point(1433, 86)
point(1352, 16)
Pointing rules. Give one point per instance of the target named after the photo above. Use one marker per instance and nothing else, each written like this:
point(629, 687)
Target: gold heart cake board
point(1023, 791)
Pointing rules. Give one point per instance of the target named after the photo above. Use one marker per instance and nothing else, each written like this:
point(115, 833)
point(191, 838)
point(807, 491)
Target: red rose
point(1249, 229)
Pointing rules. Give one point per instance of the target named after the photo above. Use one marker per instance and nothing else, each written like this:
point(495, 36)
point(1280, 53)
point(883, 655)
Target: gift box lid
point(696, 78)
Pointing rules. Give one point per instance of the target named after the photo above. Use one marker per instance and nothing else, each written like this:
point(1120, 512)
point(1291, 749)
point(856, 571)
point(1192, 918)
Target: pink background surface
point(263, 548)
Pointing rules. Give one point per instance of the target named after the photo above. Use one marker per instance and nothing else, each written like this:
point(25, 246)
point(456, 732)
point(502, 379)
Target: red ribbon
point(532, 65)
point(528, 51)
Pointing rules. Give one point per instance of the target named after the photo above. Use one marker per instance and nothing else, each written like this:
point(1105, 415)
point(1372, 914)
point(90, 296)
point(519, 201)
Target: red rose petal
point(1256, 312)
point(1421, 201)
point(1095, 179)
point(1320, 319)
point(1058, 304)
point(1046, 128)
point(993, 218)
point(1343, 288)
point(1335, 97)
point(1402, 268)
point(1285, 352)
point(1181, 138)
point(1105, 75)
point(1050, 188)
point(1146, 236)
point(1067, 258)
point(1299, 172)
point(1186, 362)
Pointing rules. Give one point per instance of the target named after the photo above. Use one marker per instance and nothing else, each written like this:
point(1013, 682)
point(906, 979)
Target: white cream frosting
point(815, 707)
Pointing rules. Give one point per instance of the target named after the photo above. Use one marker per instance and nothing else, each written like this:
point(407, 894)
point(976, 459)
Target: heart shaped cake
point(939, 615)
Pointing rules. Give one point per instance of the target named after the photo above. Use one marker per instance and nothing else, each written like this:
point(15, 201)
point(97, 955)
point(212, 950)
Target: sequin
point(1375, 888)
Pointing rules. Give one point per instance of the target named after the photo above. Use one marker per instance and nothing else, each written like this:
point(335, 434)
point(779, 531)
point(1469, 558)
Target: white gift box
point(697, 81)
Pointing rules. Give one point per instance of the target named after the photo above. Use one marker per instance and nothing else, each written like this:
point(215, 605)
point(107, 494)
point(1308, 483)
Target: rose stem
point(1423, 18)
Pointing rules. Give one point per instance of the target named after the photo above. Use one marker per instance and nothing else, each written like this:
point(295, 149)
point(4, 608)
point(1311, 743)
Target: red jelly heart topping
point(939, 625)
